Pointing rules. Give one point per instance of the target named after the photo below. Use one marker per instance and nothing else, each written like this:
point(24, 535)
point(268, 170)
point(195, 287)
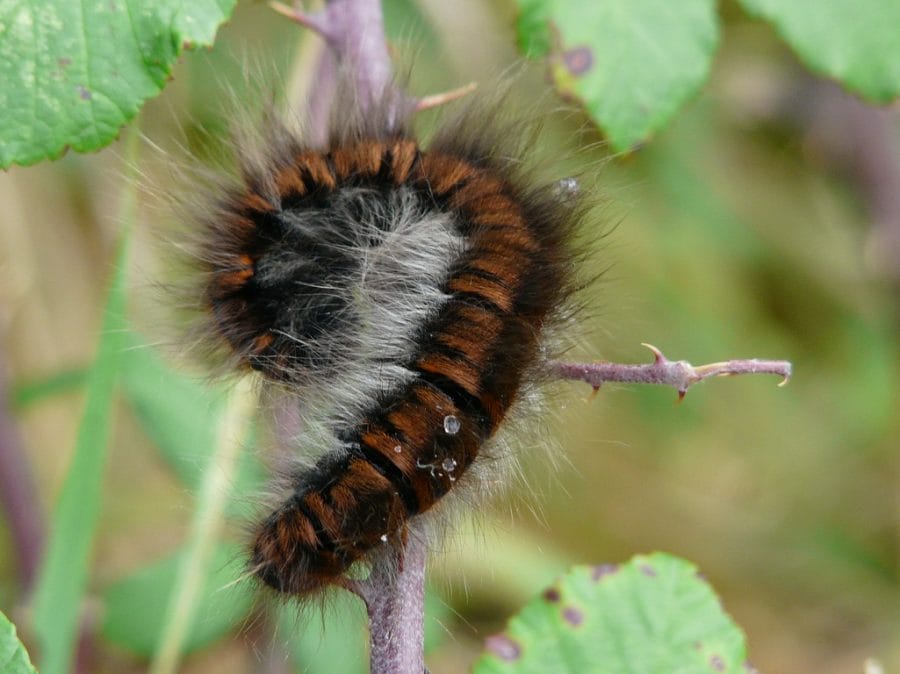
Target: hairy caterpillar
point(403, 293)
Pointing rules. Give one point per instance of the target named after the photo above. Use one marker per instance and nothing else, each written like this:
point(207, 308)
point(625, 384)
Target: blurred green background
point(757, 224)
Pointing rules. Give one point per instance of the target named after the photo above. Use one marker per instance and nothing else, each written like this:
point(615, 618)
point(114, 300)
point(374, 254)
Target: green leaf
point(854, 41)
point(437, 615)
point(30, 393)
point(136, 607)
point(181, 415)
point(632, 63)
point(72, 73)
point(64, 572)
point(13, 656)
point(653, 615)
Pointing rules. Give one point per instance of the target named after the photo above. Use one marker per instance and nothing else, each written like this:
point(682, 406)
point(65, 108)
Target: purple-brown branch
point(676, 373)
point(354, 30)
point(397, 591)
point(354, 33)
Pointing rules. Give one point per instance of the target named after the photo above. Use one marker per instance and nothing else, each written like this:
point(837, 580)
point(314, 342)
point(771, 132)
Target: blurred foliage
point(633, 63)
point(181, 415)
point(65, 568)
point(854, 42)
point(738, 233)
point(136, 606)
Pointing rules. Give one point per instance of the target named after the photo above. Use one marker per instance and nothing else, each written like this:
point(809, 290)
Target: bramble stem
point(395, 602)
point(354, 29)
point(676, 373)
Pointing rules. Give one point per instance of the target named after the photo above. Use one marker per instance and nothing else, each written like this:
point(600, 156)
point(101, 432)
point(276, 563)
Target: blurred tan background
point(757, 224)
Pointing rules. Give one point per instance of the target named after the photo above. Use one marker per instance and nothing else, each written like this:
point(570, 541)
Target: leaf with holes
point(653, 615)
point(73, 73)
point(632, 63)
point(854, 41)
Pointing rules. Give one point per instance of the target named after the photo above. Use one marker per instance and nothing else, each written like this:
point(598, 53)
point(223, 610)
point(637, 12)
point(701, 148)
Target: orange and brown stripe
point(314, 166)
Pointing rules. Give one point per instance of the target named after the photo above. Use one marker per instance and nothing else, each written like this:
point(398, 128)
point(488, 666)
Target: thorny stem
point(319, 105)
point(354, 29)
point(676, 373)
point(394, 595)
point(354, 32)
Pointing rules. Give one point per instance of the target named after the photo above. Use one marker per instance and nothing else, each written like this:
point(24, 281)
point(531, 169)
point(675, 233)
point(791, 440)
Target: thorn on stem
point(315, 22)
point(658, 357)
point(433, 101)
point(786, 375)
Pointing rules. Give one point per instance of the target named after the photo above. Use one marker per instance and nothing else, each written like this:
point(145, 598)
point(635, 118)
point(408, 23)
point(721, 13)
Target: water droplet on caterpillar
point(451, 425)
point(398, 449)
point(384, 538)
point(448, 465)
point(566, 188)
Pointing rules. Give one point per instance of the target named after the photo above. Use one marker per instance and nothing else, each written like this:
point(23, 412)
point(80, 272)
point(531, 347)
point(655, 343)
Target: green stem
point(208, 518)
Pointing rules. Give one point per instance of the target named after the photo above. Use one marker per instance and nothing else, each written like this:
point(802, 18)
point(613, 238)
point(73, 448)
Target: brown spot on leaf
point(83, 93)
point(602, 570)
point(551, 594)
point(578, 60)
point(573, 616)
point(648, 570)
point(503, 647)
point(717, 663)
